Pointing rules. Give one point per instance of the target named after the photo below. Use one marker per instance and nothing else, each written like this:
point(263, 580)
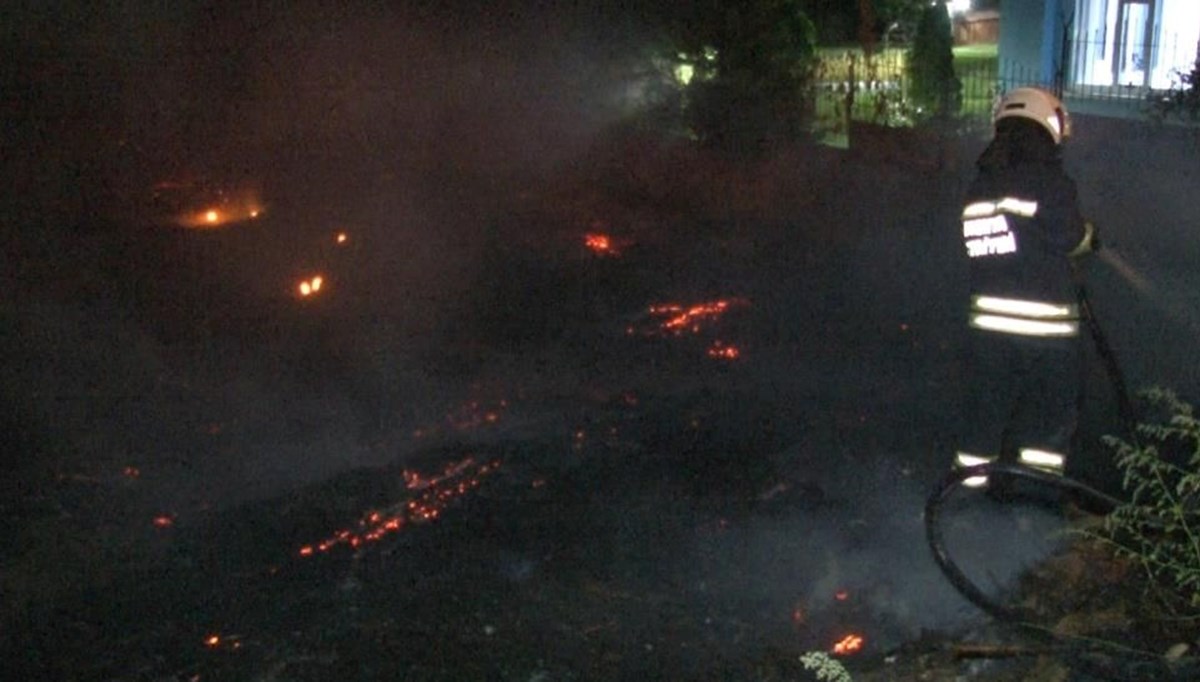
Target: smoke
point(1143, 287)
point(862, 564)
point(412, 129)
point(417, 132)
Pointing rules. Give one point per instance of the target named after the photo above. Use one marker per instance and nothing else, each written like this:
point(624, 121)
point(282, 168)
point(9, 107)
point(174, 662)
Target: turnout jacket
point(1021, 225)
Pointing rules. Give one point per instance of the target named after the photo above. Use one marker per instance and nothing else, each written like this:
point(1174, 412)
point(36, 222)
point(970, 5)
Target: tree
point(750, 64)
point(934, 89)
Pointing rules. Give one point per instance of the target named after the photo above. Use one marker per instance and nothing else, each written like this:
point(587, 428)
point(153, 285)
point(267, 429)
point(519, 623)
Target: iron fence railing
point(851, 86)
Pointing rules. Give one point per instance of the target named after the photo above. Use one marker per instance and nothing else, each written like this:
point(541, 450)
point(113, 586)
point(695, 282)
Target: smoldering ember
point(587, 341)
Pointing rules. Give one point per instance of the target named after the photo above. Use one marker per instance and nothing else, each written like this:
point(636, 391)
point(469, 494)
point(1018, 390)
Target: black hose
point(1109, 662)
point(1083, 494)
point(1115, 376)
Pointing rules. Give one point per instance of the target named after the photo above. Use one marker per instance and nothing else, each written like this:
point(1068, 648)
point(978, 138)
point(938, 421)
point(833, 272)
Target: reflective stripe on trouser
point(1024, 317)
point(1043, 460)
point(1046, 460)
point(963, 460)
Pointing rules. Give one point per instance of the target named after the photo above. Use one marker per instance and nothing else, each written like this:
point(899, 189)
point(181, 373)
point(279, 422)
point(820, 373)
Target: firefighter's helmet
point(1037, 105)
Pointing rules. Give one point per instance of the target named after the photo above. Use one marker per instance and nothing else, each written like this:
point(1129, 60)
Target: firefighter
point(1023, 234)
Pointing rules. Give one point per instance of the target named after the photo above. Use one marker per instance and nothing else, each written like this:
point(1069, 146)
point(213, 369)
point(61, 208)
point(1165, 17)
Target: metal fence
point(851, 86)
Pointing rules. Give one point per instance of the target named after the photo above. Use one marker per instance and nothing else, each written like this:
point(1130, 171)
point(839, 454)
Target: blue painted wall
point(1031, 38)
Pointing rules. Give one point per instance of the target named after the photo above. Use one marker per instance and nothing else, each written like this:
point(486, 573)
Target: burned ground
point(492, 452)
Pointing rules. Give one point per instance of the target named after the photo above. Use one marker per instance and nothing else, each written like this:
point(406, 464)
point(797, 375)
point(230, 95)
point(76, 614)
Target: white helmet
point(1036, 105)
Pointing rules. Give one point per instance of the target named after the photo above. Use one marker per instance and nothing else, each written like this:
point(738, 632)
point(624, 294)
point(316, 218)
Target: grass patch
point(977, 66)
point(979, 52)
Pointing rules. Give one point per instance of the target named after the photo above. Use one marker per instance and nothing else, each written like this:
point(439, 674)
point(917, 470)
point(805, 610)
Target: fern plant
point(828, 668)
point(1158, 528)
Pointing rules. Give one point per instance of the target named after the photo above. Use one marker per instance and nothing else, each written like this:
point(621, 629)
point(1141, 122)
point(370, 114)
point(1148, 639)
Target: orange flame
point(849, 644)
point(310, 286)
point(599, 244)
point(230, 642)
point(229, 209)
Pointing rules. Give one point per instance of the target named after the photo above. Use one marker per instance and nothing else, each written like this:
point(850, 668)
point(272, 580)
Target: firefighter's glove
point(1090, 242)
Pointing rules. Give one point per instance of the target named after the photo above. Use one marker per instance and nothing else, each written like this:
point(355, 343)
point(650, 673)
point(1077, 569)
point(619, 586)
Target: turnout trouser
point(1022, 401)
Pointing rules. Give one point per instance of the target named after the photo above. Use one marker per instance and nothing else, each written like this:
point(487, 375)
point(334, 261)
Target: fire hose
point(1111, 367)
point(1082, 493)
point(1104, 661)
point(1145, 666)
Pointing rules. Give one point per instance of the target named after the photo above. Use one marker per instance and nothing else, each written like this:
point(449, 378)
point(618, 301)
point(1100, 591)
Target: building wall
point(1031, 38)
point(977, 27)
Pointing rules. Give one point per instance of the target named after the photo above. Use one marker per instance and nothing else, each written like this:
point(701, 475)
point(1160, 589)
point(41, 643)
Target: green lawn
point(978, 52)
point(977, 67)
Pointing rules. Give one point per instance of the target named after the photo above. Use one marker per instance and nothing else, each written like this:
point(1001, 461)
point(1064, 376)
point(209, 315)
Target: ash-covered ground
point(508, 451)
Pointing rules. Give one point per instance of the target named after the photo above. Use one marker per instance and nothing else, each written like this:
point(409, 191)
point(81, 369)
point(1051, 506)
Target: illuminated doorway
point(1133, 43)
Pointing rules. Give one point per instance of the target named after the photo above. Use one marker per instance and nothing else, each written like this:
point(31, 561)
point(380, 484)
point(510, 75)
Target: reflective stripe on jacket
point(1027, 318)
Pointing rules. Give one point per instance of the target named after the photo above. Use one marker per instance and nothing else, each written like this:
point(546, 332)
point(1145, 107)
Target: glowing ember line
point(689, 318)
point(474, 414)
point(436, 494)
point(674, 319)
point(414, 480)
point(470, 415)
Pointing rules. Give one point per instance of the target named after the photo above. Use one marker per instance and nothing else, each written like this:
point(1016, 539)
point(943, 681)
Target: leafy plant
point(828, 668)
point(1158, 528)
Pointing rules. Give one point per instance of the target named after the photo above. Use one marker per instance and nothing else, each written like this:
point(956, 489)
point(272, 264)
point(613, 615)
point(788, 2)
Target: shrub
point(1158, 528)
point(933, 86)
